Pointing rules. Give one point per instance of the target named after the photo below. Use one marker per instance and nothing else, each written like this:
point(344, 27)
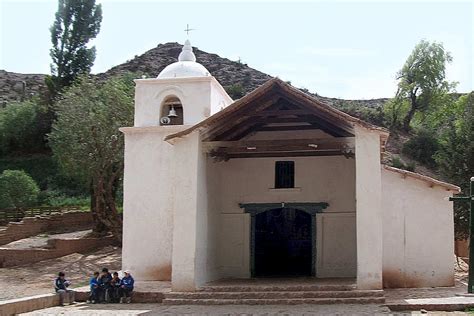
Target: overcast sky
point(339, 49)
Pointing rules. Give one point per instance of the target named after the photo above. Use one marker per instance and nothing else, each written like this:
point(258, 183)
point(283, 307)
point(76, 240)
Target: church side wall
point(317, 179)
point(148, 204)
point(418, 233)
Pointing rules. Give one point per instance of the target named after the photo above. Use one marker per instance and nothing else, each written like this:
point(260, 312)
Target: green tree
point(86, 140)
point(76, 23)
point(421, 80)
point(17, 189)
point(21, 127)
point(455, 156)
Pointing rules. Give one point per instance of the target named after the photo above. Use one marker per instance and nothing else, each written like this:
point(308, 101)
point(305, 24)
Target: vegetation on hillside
point(437, 124)
point(17, 189)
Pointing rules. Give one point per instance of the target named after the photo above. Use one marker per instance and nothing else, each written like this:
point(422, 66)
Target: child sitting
point(126, 287)
point(61, 287)
point(115, 288)
point(95, 288)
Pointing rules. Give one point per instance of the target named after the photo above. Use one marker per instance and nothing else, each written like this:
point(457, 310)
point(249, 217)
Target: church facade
point(276, 183)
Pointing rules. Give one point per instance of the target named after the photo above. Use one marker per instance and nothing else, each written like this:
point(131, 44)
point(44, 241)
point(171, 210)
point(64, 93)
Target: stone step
point(276, 288)
point(274, 294)
point(320, 301)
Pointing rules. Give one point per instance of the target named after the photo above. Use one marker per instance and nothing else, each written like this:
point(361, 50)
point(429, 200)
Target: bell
point(172, 112)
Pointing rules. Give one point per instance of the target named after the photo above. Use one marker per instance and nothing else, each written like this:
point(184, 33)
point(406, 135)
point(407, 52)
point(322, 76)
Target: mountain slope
point(229, 73)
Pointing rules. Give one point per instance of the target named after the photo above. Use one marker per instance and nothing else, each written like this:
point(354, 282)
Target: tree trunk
point(99, 228)
point(105, 212)
point(410, 114)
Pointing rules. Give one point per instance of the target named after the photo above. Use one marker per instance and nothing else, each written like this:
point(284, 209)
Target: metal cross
point(187, 30)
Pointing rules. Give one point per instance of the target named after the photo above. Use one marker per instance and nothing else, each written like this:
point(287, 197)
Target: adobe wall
point(31, 226)
point(58, 248)
point(418, 233)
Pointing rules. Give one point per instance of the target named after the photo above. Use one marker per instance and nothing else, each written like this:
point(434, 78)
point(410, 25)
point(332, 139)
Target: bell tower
point(184, 93)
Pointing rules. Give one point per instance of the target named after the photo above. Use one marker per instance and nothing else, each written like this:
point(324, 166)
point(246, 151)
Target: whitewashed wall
point(148, 202)
point(199, 96)
point(251, 180)
point(418, 233)
point(336, 245)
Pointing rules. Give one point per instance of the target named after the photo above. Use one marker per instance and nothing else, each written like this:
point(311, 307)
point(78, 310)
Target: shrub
point(235, 91)
point(22, 127)
point(398, 163)
point(58, 198)
point(422, 148)
point(17, 189)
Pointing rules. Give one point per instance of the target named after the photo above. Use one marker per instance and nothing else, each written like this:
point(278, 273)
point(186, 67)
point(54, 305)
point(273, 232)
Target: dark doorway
point(283, 243)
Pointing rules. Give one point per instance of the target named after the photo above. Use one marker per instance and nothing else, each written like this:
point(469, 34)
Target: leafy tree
point(422, 147)
point(421, 80)
point(21, 128)
point(394, 110)
point(85, 139)
point(76, 23)
point(17, 189)
point(455, 157)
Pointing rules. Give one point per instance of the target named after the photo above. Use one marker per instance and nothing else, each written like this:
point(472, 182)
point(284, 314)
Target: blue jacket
point(94, 283)
point(127, 282)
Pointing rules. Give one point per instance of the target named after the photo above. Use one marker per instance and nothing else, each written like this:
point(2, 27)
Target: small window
point(284, 174)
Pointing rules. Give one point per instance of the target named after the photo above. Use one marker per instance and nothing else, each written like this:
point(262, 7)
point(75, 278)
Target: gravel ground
point(16, 282)
point(41, 240)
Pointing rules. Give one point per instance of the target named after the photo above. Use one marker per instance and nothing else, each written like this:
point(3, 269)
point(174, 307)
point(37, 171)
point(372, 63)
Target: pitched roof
point(282, 88)
point(429, 180)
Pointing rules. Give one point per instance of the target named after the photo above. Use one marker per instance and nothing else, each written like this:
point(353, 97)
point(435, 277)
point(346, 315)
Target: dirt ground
point(37, 278)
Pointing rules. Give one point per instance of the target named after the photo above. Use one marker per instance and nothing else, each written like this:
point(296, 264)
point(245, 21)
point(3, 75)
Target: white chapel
point(275, 184)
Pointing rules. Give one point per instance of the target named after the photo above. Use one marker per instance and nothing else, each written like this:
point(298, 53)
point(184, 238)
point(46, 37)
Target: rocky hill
point(237, 78)
point(15, 86)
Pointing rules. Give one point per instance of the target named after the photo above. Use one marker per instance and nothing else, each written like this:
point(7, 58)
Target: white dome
point(186, 66)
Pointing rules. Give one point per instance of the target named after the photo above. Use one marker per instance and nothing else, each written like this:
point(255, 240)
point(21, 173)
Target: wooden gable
point(276, 107)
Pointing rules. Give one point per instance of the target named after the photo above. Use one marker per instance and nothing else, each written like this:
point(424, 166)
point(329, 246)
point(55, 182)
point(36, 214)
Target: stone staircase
point(275, 295)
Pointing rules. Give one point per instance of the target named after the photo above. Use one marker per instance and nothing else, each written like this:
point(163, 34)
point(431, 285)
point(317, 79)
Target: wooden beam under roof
point(222, 150)
point(238, 118)
point(336, 142)
point(325, 116)
point(281, 154)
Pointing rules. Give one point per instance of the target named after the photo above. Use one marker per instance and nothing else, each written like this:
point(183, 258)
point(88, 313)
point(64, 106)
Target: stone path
point(38, 278)
point(228, 310)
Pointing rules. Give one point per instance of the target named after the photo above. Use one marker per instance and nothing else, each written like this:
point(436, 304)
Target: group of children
point(105, 288)
point(108, 288)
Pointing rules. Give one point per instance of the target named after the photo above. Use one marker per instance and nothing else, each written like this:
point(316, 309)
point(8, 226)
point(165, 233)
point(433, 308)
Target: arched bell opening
point(172, 112)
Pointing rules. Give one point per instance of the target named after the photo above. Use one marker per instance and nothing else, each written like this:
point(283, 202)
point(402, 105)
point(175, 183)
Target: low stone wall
point(32, 303)
point(56, 248)
point(60, 222)
point(28, 304)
